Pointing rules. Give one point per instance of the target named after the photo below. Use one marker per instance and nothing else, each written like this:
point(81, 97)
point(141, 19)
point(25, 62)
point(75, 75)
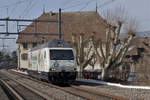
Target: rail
point(14, 95)
point(77, 93)
point(15, 89)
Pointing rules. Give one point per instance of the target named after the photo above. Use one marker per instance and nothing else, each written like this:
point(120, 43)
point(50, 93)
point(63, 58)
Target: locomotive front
point(62, 65)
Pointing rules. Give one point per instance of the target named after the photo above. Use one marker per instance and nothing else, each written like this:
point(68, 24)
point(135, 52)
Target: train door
point(45, 60)
point(29, 61)
point(34, 61)
point(42, 60)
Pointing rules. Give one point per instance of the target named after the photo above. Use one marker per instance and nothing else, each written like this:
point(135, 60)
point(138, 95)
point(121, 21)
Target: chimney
point(51, 13)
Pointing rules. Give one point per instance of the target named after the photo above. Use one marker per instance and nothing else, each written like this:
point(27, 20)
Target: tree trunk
point(80, 71)
point(103, 74)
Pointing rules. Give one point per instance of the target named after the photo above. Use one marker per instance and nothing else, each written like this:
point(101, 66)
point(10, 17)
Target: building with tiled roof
point(138, 54)
point(72, 22)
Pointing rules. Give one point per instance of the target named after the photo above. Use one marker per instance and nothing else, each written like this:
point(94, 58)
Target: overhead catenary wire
point(72, 6)
point(13, 4)
point(12, 11)
point(86, 4)
point(31, 7)
point(105, 3)
point(26, 9)
point(80, 4)
point(67, 2)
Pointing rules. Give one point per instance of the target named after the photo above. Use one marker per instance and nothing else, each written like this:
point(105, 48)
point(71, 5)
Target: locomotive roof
point(56, 43)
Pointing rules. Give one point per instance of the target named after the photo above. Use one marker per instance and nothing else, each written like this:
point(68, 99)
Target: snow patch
point(114, 84)
point(19, 71)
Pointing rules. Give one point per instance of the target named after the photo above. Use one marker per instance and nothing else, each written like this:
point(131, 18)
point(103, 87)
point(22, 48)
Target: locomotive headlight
point(52, 69)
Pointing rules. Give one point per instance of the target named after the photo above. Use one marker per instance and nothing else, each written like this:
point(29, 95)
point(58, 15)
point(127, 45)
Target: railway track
point(78, 91)
point(3, 95)
point(16, 90)
point(4, 92)
point(9, 91)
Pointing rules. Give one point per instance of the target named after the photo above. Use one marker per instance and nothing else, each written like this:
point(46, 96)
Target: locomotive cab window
point(61, 55)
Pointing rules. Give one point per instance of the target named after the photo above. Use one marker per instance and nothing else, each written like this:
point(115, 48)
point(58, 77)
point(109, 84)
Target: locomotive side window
point(61, 55)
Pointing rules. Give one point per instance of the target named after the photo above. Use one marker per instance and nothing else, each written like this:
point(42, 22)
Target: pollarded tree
point(84, 53)
point(93, 61)
point(112, 51)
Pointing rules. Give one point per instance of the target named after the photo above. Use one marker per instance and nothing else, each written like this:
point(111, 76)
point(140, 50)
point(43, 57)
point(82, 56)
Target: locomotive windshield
point(61, 55)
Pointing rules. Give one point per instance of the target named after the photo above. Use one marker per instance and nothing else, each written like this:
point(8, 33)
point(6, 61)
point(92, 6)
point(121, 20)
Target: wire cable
point(31, 7)
point(86, 4)
point(24, 11)
point(67, 2)
point(106, 3)
point(13, 9)
point(72, 6)
point(13, 4)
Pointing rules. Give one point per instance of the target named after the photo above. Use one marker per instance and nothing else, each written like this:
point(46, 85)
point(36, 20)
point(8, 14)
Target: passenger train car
point(53, 61)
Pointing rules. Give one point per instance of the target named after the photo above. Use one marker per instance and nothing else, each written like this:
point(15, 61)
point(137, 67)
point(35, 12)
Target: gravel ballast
point(131, 94)
point(53, 93)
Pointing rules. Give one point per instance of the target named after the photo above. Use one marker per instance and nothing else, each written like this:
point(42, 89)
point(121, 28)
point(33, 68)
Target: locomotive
point(53, 61)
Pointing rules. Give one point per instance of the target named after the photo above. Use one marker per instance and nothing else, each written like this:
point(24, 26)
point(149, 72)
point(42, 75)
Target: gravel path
point(131, 94)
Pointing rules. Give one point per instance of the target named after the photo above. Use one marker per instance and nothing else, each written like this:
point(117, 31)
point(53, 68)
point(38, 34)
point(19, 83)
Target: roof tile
point(72, 22)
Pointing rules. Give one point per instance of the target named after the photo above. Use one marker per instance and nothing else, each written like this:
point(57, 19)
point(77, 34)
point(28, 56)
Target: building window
point(34, 45)
point(24, 56)
point(25, 46)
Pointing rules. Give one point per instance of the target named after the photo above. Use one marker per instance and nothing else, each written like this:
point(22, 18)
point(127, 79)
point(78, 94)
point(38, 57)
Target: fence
point(110, 76)
point(121, 77)
point(89, 75)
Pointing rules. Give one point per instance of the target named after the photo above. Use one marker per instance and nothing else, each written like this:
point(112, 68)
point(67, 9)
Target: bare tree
point(112, 51)
point(83, 49)
point(93, 61)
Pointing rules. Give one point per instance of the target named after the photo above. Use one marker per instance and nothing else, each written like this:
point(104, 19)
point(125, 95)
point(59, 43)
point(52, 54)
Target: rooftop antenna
point(59, 24)
point(7, 12)
point(43, 8)
point(96, 6)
